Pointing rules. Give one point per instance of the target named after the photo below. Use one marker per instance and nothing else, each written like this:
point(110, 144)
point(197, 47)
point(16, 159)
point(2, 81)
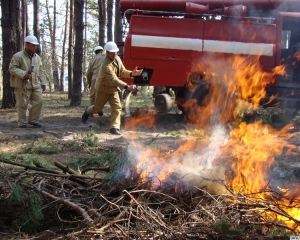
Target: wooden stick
point(77, 208)
point(71, 177)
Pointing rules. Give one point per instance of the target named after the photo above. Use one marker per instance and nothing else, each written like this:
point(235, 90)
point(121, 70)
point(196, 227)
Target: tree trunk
point(25, 19)
point(118, 23)
point(63, 55)
point(12, 43)
point(102, 21)
point(85, 85)
point(70, 52)
point(36, 24)
point(110, 13)
point(78, 52)
point(57, 84)
point(52, 31)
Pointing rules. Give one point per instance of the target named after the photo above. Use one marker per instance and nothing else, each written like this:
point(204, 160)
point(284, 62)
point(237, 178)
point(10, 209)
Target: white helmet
point(98, 48)
point(111, 47)
point(31, 39)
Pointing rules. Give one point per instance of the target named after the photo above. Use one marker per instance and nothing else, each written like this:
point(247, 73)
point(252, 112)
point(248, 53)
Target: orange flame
point(254, 146)
point(142, 120)
point(251, 148)
point(228, 80)
point(297, 55)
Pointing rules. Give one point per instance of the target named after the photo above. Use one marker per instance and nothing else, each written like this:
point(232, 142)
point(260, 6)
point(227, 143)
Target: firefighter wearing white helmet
point(111, 47)
point(98, 49)
point(110, 83)
point(31, 39)
point(26, 77)
point(92, 72)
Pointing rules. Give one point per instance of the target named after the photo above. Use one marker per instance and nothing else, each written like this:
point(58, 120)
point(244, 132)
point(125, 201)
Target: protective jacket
point(94, 67)
point(108, 80)
point(19, 66)
point(108, 85)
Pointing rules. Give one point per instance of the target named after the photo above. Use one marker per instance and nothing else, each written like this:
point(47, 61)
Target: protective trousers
point(92, 92)
point(115, 107)
point(24, 97)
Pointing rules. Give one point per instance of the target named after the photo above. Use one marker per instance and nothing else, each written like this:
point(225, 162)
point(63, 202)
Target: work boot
point(100, 113)
point(84, 117)
point(114, 131)
point(36, 125)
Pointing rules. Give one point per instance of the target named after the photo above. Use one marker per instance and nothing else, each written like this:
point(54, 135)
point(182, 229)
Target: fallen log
point(65, 168)
point(105, 169)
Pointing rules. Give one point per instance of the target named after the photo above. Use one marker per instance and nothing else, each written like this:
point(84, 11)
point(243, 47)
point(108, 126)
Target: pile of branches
point(88, 207)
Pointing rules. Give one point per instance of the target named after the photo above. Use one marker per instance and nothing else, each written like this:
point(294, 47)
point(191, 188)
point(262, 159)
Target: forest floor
point(62, 123)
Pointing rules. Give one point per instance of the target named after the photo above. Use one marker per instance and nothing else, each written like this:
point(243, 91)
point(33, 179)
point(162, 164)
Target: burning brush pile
point(224, 183)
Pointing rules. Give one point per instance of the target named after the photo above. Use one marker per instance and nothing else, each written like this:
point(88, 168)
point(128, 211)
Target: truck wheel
point(163, 103)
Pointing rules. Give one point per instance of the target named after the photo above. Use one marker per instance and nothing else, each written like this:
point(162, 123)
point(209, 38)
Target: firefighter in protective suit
point(26, 77)
point(93, 70)
point(108, 84)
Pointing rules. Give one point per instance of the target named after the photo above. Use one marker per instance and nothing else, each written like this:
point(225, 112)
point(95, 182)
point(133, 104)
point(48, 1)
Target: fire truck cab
point(167, 38)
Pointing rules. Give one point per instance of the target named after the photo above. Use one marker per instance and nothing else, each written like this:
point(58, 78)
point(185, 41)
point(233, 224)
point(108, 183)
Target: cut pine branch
point(70, 177)
point(80, 210)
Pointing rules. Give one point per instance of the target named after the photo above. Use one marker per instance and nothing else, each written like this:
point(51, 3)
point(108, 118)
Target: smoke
point(194, 167)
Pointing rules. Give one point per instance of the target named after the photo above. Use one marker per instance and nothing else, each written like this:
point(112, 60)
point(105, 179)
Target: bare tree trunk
point(36, 24)
point(51, 38)
point(85, 85)
point(118, 22)
point(102, 21)
point(12, 42)
point(55, 62)
point(52, 31)
point(63, 55)
point(46, 58)
point(110, 13)
point(70, 52)
point(78, 52)
point(24, 19)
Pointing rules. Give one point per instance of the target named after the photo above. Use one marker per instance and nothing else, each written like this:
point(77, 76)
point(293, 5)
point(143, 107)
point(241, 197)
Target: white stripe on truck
point(264, 49)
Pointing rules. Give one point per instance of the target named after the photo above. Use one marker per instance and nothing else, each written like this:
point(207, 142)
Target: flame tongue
point(254, 148)
point(248, 151)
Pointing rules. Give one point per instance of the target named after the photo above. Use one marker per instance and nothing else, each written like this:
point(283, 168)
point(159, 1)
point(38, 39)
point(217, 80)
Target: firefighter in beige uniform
point(108, 83)
point(28, 84)
point(93, 70)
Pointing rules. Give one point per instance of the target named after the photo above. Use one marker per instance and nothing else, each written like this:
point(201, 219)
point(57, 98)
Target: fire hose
point(127, 101)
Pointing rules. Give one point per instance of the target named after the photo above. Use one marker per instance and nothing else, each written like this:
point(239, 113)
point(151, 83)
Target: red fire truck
point(166, 37)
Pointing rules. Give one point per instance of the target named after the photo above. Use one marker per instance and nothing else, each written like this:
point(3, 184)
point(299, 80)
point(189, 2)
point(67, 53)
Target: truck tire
point(163, 103)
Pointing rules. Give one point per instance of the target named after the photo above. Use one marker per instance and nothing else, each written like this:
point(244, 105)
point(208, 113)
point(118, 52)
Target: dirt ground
point(62, 122)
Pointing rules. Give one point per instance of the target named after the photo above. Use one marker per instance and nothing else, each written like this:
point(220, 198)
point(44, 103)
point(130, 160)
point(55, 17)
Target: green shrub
point(7, 157)
point(223, 227)
point(101, 160)
point(33, 160)
point(276, 231)
point(27, 208)
point(90, 139)
point(42, 146)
